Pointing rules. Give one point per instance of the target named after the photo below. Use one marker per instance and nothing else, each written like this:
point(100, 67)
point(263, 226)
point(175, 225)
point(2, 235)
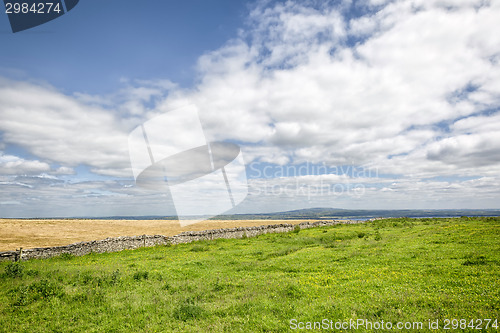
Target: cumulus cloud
point(388, 94)
point(62, 129)
point(12, 165)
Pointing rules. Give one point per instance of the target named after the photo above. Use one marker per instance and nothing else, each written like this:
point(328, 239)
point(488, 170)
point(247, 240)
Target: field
point(394, 270)
point(16, 233)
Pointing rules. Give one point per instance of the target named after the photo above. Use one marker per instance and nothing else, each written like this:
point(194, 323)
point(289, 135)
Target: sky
point(369, 104)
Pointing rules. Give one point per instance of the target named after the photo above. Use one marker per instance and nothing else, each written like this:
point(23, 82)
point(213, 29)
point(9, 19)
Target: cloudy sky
point(369, 104)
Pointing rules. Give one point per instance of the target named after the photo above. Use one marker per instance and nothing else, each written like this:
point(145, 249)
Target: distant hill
point(335, 213)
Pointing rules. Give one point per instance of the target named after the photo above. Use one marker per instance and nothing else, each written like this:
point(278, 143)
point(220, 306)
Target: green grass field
point(395, 270)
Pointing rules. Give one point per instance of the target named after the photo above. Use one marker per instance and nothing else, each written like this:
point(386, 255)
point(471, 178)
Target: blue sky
point(120, 39)
point(348, 104)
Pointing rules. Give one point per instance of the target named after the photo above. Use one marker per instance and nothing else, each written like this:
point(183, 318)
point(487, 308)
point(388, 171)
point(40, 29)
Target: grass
point(394, 270)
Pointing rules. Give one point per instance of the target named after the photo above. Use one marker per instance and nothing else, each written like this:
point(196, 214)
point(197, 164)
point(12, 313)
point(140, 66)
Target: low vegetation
point(394, 270)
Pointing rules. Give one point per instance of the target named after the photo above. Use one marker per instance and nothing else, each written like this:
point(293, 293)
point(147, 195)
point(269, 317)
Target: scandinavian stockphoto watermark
point(298, 188)
point(309, 180)
point(365, 324)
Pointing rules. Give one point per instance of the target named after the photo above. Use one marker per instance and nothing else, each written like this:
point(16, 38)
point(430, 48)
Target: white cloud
point(62, 130)
point(357, 103)
point(477, 124)
point(472, 150)
point(12, 165)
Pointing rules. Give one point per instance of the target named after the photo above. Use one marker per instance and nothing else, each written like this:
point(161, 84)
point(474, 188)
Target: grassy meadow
point(395, 270)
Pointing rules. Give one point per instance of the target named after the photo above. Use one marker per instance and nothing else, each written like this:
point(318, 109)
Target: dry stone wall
point(128, 243)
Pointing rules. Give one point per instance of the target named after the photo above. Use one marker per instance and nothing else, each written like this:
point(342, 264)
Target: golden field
point(30, 233)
